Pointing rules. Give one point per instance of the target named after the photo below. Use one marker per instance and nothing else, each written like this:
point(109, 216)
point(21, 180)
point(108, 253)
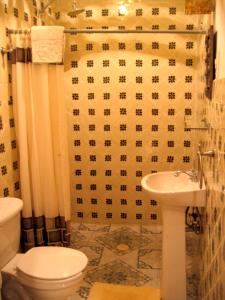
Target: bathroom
point(133, 101)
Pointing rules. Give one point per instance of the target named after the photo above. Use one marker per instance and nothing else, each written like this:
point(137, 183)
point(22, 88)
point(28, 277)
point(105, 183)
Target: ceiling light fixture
point(123, 11)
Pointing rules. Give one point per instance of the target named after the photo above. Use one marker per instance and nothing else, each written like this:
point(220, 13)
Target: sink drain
point(122, 247)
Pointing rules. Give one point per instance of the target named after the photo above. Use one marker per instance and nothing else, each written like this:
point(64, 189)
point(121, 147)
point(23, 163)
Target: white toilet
point(42, 273)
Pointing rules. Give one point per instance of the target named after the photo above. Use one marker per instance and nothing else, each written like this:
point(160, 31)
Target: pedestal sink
point(174, 194)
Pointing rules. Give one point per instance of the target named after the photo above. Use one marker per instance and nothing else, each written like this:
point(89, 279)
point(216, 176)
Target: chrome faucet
point(193, 174)
point(197, 175)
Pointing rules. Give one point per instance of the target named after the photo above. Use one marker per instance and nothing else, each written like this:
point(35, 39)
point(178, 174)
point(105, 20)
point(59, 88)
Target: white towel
point(47, 44)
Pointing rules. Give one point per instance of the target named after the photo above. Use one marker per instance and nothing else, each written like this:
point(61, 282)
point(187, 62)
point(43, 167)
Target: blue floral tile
point(149, 259)
point(82, 293)
point(192, 244)
point(129, 255)
point(94, 227)
point(117, 272)
point(192, 264)
point(192, 287)
point(94, 254)
point(77, 239)
point(123, 240)
point(136, 228)
point(152, 229)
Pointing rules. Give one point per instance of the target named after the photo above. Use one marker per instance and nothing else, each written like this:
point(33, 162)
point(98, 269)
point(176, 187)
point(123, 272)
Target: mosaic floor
point(128, 255)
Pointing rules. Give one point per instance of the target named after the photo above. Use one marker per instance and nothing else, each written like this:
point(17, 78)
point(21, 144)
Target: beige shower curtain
point(41, 130)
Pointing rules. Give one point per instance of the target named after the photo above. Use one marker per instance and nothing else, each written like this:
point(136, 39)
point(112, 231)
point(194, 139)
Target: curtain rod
point(75, 31)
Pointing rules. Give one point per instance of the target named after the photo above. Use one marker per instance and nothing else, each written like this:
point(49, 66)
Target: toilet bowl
point(42, 273)
point(51, 272)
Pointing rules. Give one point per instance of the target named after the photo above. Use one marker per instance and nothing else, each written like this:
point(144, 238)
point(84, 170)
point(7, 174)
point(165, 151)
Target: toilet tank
point(10, 209)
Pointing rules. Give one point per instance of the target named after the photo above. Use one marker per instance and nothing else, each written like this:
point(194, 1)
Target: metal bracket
point(4, 51)
point(205, 124)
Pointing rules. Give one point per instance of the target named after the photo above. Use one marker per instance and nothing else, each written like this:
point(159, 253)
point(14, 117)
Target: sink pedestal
point(174, 194)
point(174, 257)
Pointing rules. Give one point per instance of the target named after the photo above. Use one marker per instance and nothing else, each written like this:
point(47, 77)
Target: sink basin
point(170, 190)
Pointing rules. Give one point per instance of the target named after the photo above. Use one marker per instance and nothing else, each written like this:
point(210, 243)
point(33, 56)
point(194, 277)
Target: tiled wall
point(127, 99)
point(128, 96)
point(212, 254)
point(199, 6)
point(213, 242)
point(134, 80)
point(220, 27)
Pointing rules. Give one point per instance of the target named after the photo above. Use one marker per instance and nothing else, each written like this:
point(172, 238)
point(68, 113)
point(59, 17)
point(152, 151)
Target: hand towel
point(47, 44)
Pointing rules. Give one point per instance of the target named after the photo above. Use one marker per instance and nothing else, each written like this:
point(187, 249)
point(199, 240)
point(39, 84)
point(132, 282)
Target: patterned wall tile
point(212, 267)
point(212, 248)
point(128, 96)
point(199, 6)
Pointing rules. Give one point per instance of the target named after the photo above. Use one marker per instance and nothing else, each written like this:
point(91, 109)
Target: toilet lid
point(52, 263)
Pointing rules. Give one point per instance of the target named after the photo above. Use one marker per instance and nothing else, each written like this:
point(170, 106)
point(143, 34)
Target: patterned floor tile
point(94, 254)
point(192, 287)
point(136, 228)
point(149, 259)
point(117, 272)
point(192, 264)
point(138, 262)
point(123, 236)
point(94, 227)
point(82, 292)
point(74, 226)
point(192, 243)
point(155, 275)
point(108, 256)
point(145, 229)
point(77, 239)
point(155, 241)
point(130, 258)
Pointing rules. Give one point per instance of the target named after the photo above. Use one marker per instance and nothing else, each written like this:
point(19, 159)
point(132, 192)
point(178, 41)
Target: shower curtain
point(41, 132)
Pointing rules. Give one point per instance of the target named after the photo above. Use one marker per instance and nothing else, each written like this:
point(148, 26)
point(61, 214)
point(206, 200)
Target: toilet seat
point(43, 284)
point(50, 267)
